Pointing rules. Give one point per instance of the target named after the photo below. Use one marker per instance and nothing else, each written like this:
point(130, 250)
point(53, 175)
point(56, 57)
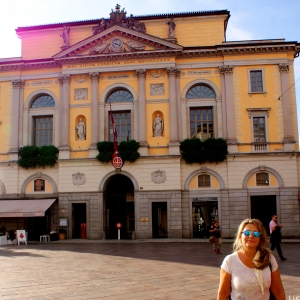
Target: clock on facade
point(116, 44)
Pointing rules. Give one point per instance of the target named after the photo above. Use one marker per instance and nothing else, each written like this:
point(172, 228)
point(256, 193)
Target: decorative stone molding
point(158, 176)
point(60, 79)
point(81, 94)
point(177, 72)
point(157, 89)
point(203, 169)
point(122, 76)
point(156, 74)
point(81, 78)
point(284, 68)
point(226, 70)
point(171, 71)
point(118, 17)
point(94, 76)
point(41, 82)
point(141, 73)
point(66, 78)
point(18, 84)
point(193, 73)
point(262, 167)
point(78, 178)
point(258, 111)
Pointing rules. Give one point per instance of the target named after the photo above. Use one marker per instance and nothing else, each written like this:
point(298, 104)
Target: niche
point(80, 128)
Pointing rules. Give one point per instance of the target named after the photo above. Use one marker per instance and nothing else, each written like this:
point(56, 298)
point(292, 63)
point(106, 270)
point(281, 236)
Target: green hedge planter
point(197, 151)
point(127, 149)
point(33, 156)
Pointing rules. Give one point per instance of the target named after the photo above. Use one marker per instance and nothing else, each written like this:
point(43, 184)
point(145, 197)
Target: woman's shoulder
point(273, 262)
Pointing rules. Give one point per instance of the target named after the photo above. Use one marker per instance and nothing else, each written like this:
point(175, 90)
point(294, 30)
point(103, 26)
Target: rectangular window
point(259, 128)
point(204, 181)
point(256, 81)
point(262, 179)
point(39, 185)
point(122, 120)
point(43, 131)
point(201, 123)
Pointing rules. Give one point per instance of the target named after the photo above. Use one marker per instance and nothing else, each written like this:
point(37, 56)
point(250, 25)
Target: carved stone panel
point(78, 178)
point(157, 89)
point(158, 176)
point(81, 94)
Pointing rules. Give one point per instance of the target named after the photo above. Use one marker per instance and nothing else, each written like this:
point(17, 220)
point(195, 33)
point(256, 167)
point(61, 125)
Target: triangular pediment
point(118, 41)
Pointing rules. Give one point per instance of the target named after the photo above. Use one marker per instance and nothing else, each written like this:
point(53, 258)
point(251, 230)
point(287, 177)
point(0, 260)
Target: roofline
point(139, 18)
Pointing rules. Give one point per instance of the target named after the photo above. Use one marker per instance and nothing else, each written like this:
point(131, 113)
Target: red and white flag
point(114, 131)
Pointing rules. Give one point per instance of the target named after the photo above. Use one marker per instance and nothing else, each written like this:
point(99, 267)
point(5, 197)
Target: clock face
point(116, 44)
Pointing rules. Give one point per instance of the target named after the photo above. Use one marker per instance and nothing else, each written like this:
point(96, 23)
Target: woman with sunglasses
point(251, 271)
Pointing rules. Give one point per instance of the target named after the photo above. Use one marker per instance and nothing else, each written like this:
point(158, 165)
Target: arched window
point(121, 95)
point(43, 101)
point(200, 91)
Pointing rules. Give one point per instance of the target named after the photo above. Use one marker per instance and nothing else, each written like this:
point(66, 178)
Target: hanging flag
point(114, 131)
point(117, 161)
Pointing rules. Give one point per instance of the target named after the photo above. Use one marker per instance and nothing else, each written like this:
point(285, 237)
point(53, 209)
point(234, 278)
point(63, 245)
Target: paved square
point(125, 270)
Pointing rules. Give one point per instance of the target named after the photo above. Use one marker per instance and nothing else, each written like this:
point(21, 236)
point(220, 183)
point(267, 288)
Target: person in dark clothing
point(215, 231)
point(275, 239)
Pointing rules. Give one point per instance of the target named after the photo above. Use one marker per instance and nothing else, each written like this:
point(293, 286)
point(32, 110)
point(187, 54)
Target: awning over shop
point(24, 208)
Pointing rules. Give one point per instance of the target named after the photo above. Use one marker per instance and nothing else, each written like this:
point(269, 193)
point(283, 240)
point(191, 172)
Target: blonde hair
point(263, 260)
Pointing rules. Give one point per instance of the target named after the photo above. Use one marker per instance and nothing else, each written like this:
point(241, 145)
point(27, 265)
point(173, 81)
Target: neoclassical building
point(164, 78)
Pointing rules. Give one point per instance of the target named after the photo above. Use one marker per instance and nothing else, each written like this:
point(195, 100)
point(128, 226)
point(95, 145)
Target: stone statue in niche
point(80, 130)
point(158, 126)
point(66, 37)
point(172, 26)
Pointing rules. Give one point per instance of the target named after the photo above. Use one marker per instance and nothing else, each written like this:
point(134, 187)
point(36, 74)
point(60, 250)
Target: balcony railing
point(260, 147)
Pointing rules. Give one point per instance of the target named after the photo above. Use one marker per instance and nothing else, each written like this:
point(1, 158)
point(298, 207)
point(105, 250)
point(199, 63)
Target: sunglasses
point(248, 233)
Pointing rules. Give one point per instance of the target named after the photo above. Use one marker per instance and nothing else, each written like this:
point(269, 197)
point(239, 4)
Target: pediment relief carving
point(117, 40)
point(117, 45)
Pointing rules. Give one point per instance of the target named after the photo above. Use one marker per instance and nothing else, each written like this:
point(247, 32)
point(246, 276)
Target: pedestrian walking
point(215, 231)
point(251, 271)
point(275, 238)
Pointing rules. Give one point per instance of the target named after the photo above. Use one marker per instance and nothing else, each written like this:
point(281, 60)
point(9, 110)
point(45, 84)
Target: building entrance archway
point(119, 207)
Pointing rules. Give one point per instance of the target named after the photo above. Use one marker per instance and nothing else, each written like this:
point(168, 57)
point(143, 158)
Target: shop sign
point(205, 199)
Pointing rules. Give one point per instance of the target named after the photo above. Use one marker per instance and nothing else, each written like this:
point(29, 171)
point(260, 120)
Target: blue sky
point(255, 19)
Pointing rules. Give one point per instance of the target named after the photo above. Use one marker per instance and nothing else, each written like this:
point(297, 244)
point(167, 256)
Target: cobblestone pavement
point(123, 271)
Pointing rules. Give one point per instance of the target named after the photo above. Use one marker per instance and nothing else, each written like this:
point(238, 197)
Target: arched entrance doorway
point(119, 207)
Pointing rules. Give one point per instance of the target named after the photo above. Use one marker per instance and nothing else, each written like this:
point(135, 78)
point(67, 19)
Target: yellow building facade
point(163, 80)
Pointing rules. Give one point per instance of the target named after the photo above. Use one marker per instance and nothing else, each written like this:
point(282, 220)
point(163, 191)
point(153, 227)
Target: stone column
point(227, 89)
point(17, 85)
point(173, 144)
point(177, 82)
point(141, 74)
point(95, 114)
point(288, 139)
point(64, 149)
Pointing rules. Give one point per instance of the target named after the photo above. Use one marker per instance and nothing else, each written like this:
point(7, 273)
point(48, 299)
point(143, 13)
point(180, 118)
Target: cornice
point(215, 51)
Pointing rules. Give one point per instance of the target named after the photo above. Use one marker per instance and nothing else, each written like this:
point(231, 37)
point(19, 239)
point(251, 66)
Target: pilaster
point(141, 74)
point(288, 139)
point(227, 88)
point(173, 144)
point(16, 123)
point(64, 149)
point(95, 114)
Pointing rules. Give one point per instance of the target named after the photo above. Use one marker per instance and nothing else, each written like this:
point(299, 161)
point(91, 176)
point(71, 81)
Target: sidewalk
point(86, 241)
